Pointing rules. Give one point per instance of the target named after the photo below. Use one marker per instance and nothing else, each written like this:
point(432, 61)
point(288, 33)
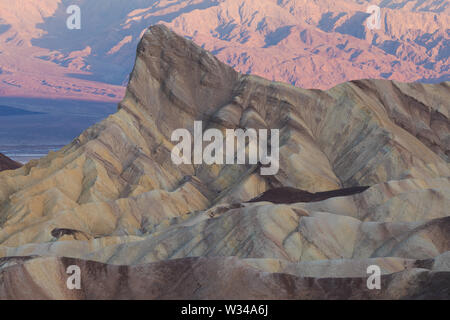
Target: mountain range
point(364, 180)
point(310, 44)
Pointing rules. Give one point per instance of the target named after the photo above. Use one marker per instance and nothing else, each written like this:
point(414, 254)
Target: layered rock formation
point(233, 279)
point(7, 163)
point(113, 202)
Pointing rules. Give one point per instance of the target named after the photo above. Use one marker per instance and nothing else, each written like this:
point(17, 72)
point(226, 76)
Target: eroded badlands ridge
point(114, 197)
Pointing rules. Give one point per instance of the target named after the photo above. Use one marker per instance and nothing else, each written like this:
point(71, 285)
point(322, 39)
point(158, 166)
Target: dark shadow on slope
point(286, 195)
point(355, 26)
point(275, 37)
point(4, 28)
point(390, 46)
point(327, 21)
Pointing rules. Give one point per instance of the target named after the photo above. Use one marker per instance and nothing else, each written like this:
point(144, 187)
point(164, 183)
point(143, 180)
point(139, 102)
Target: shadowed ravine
point(291, 195)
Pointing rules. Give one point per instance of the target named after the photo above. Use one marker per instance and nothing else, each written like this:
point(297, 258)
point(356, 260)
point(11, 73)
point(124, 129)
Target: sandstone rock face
point(114, 203)
point(7, 163)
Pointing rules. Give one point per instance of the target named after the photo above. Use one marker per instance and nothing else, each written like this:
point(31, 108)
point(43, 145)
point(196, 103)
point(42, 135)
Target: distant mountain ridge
point(311, 44)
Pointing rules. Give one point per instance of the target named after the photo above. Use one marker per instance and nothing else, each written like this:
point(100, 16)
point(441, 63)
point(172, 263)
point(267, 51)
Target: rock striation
point(365, 167)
